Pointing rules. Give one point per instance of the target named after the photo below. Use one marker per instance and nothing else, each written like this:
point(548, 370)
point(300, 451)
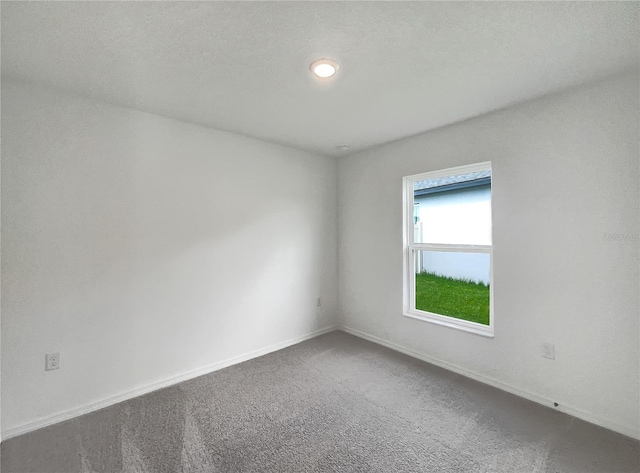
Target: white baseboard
point(109, 401)
point(629, 431)
point(163, 383)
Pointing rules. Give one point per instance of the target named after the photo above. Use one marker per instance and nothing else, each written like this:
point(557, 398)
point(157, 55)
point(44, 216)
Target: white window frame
point(409, 282)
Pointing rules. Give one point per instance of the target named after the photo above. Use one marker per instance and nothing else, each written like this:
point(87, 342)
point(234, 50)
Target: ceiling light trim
point(324, 68)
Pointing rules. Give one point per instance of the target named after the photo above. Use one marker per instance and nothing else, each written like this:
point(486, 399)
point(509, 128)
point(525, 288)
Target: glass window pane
point(452, 216)
point(453, 284)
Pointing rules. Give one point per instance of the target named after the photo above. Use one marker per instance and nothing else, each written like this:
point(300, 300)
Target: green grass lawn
point(466, 300)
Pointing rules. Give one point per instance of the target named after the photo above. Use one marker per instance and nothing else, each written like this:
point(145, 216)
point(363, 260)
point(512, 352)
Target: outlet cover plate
point(52, 361)
point(549, 351)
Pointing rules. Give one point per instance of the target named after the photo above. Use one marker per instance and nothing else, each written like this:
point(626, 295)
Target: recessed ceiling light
point(324, 68)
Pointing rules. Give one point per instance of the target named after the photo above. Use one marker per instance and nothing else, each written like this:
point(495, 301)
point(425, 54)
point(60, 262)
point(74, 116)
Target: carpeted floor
point(332, 404)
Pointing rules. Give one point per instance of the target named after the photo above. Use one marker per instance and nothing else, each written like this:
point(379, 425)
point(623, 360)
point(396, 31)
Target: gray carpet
point(332, 404)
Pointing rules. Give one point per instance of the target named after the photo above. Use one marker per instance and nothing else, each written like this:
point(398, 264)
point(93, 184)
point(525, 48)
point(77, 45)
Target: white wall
point(468, 266)
point(565, 175)
point(461, 216)
point(129, 245)
point(126, 246)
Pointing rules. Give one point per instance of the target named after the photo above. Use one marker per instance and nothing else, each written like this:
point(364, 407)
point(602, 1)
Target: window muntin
point(448, 248)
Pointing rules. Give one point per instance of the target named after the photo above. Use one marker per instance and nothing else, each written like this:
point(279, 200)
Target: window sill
point(471, 327)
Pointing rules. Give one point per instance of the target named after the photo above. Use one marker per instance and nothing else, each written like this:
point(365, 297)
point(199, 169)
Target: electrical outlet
point(549, 351)
point(318, 302)
point(52, 361)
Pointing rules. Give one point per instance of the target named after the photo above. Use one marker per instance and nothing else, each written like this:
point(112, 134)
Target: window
point(448, 248)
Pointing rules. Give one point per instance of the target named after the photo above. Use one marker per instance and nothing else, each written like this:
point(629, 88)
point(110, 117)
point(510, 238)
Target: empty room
point(320, 237)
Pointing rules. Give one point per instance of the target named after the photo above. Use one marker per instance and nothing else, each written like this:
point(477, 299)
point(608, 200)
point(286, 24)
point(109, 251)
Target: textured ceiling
point(406, 67)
